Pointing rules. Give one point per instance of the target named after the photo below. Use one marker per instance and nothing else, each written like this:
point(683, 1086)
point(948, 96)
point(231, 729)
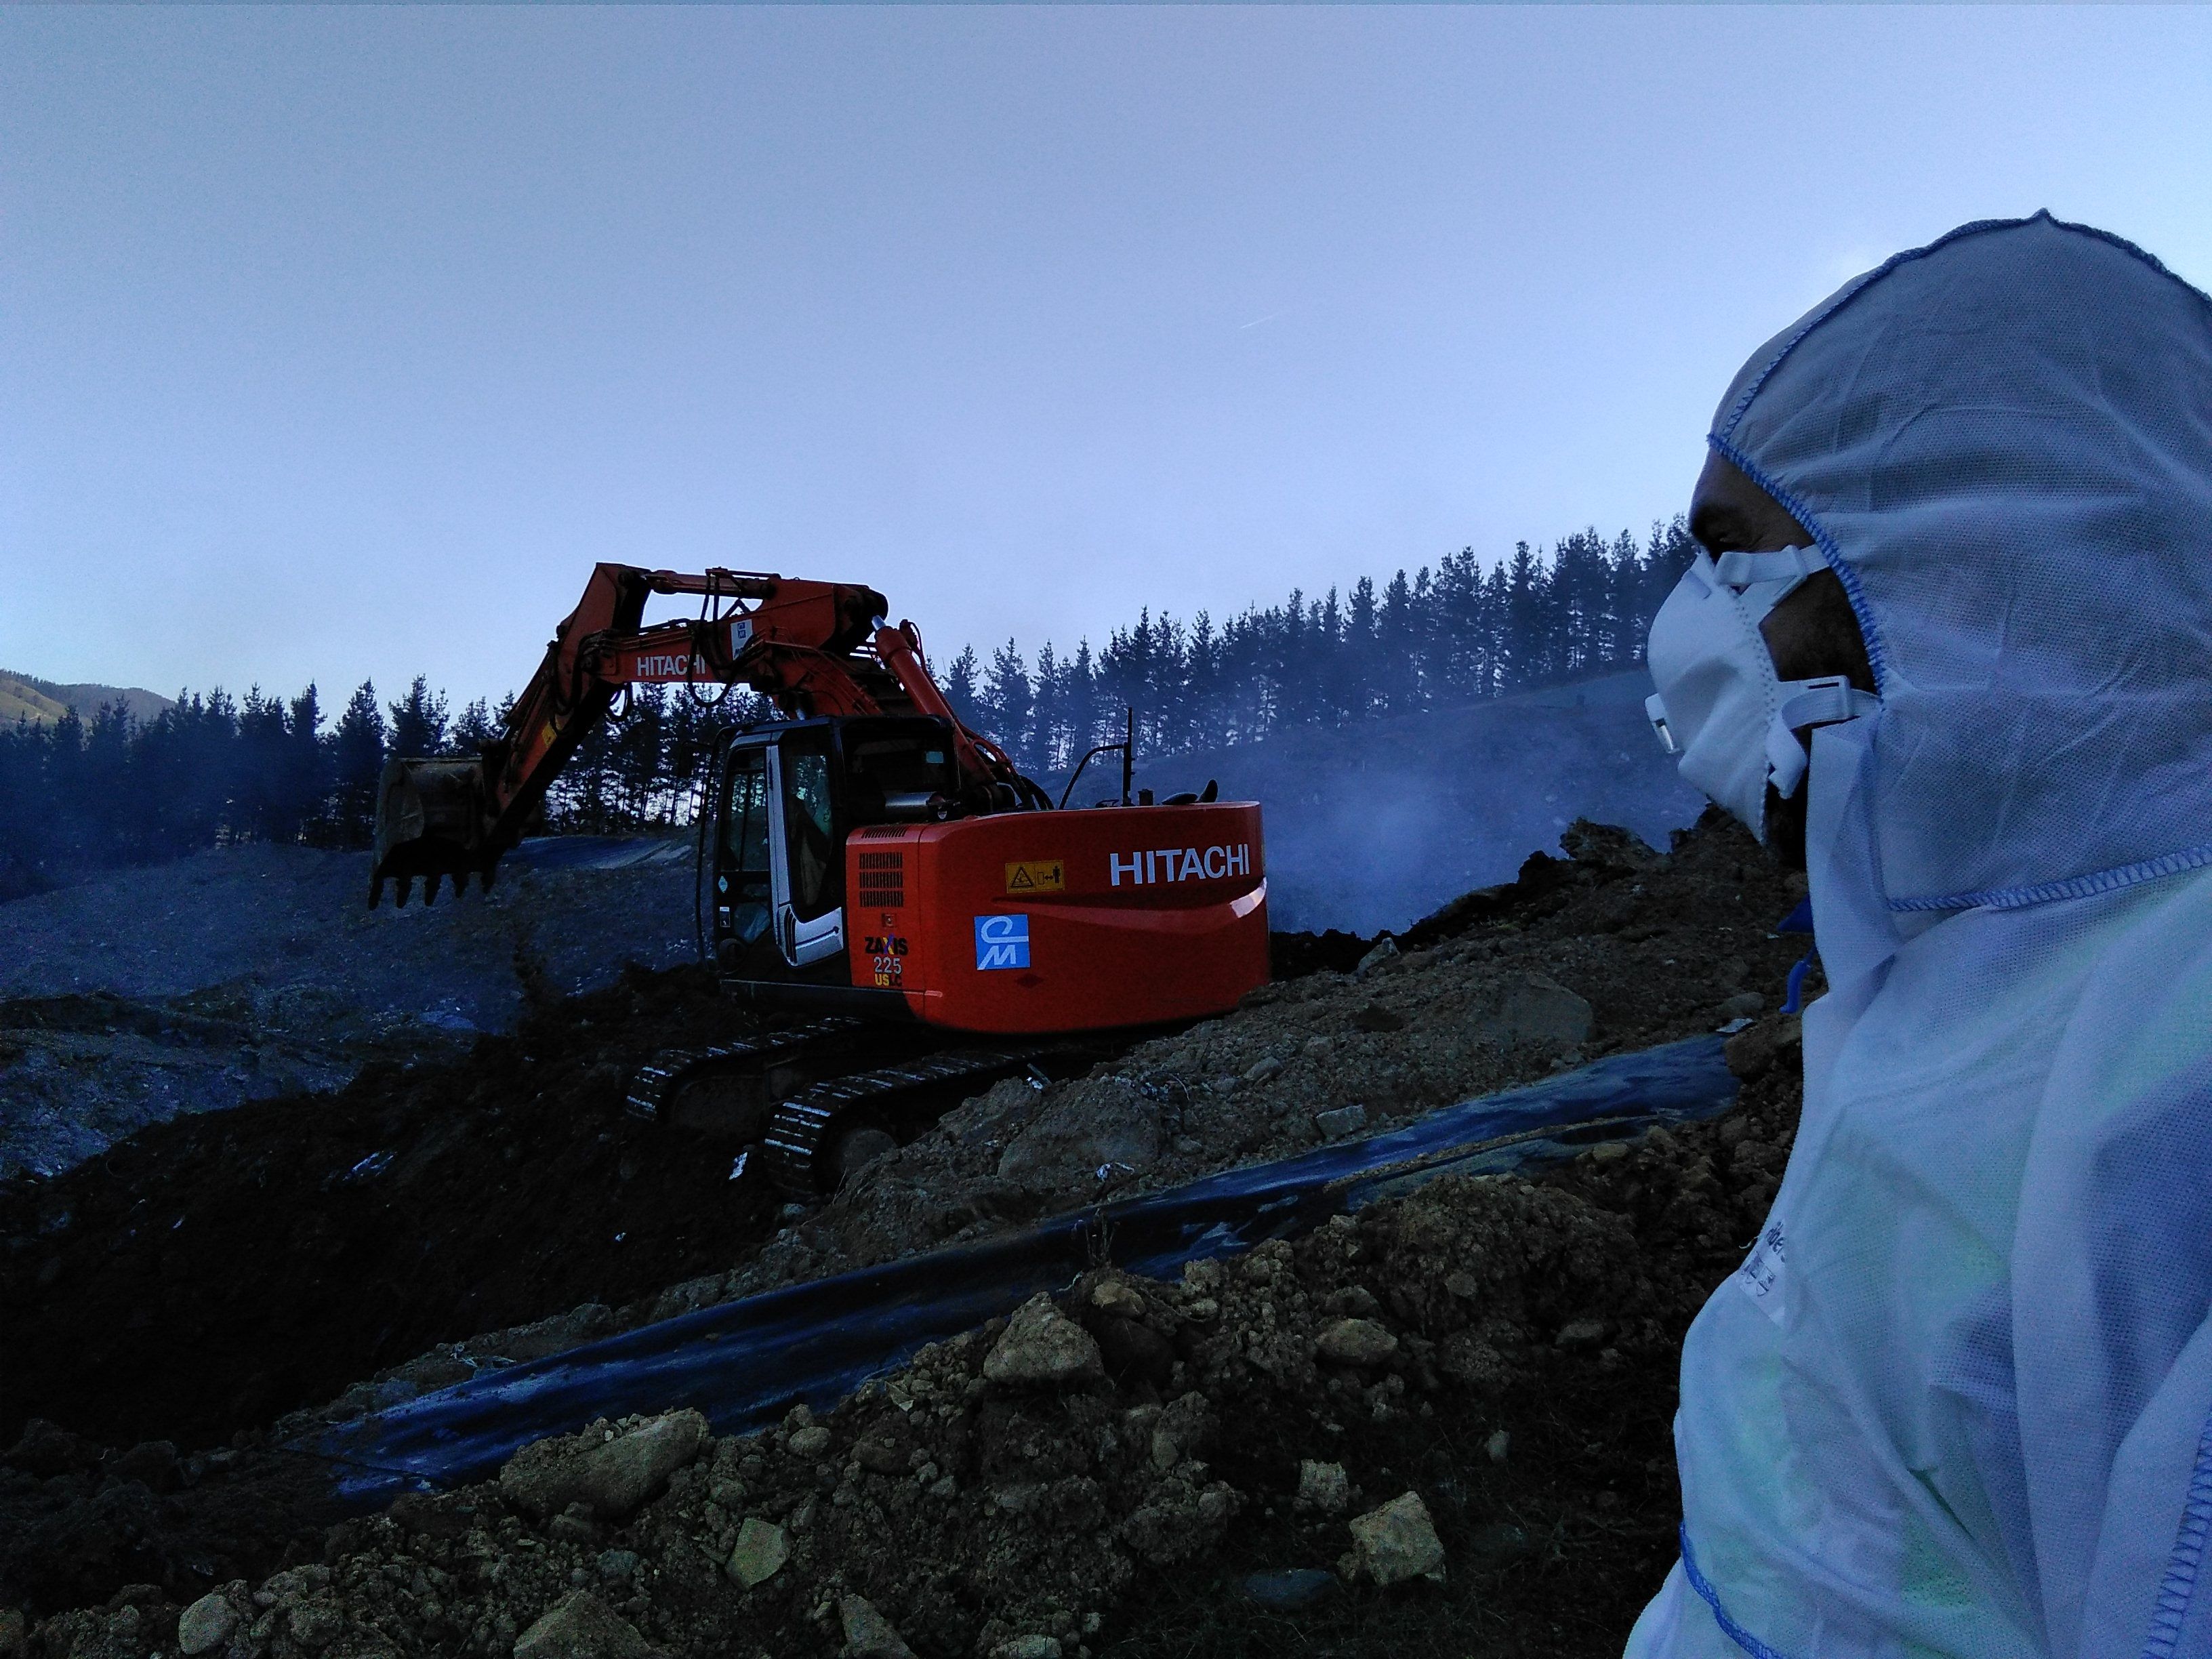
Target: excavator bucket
point(430, 823)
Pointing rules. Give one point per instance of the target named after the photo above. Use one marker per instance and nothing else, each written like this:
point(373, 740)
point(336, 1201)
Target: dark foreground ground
point(214, 1272)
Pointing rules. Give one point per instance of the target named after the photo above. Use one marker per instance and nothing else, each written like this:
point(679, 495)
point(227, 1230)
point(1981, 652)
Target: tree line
point(87, 791)
point(1440, 638)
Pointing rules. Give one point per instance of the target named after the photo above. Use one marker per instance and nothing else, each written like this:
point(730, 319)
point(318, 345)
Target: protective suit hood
point(2002, 443)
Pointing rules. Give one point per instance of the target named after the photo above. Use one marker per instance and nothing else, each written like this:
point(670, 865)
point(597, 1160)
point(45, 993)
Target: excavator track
point(806, 1131)
point(797, 1094)
point(654, 1086)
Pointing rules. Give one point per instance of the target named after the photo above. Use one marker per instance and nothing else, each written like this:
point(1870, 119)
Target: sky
point(339, 344)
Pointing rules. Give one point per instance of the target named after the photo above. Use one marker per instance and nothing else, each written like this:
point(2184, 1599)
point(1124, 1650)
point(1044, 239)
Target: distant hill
point(25, 696)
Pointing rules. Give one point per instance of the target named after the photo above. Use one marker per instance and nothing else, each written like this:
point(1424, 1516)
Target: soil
point(251, 973)
point(1124, 1473)
point(292, 1246)
point(208, 1275)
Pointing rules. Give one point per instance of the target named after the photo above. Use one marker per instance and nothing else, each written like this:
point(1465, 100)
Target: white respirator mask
point(1720, 705)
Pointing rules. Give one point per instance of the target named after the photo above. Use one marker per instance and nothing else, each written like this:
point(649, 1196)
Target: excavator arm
point(811, 647)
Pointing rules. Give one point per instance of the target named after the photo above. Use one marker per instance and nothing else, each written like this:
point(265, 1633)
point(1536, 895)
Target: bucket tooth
point(375, 892)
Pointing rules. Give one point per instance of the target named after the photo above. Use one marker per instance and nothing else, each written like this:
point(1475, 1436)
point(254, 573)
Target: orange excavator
point(868, 860)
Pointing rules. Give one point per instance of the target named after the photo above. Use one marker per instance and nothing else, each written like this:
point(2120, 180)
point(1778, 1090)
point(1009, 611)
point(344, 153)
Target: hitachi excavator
point(868, 860)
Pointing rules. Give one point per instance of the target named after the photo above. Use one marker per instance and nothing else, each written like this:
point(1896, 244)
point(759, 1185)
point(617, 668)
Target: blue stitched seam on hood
point(2178, 1586)
point(2099, 881)
point(1979, 227)
point(1877, 659)
point(1723, 437)
point(1734, 1632)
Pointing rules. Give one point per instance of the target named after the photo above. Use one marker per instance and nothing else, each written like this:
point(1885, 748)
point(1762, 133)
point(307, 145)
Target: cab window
point(809, 830)
point(745, 844)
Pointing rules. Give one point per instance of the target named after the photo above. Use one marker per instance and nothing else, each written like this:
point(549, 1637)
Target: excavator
point(870, 864)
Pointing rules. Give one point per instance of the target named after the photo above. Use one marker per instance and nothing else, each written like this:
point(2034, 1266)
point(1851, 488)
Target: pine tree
point(357, 761)
point(418, 722)
point(960, 690)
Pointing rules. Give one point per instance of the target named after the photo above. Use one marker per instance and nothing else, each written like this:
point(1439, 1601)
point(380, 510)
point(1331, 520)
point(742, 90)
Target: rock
point(15, 1635)
point(1611, 1152)
point(581, 1626)
point(1354, 1299)
point(204, 1626)
point(1289, 1589)
point(1755, 1052)
point(1028, 1647)
point(1342, 1122)
point(1178, 1522)
point(315, 1624)
point(1356, 1342)
point(1132, 1348)
point(1744, 1004)
point(1581, 1333)
point(868, 1634)
point(1081, 1130)
point(1042, 1346)
point(880, 1457)
point(1262, 1069)
point(47, 1449)
point(762, 1548)
point(1498, 1445)
point(1531, 1008)
point(1374, 1017)
point(1324, 1485)
point(1382, 955)
point(1118, 1296)
point(617, 1566)
point(1398, 1541)
point(809, 1441)
point(613, 1476)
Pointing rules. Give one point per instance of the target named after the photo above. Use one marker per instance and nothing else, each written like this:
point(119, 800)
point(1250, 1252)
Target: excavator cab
point(790, 793)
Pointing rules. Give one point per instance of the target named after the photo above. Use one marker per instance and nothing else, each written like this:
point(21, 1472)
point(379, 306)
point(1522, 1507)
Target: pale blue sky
point(337, 343)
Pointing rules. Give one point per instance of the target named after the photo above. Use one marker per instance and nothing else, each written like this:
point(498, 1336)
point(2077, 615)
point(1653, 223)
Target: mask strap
point(1791, 564)
point(1823, 701)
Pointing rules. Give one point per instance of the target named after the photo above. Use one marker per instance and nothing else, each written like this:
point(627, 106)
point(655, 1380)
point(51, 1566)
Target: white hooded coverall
point(1958, 1399)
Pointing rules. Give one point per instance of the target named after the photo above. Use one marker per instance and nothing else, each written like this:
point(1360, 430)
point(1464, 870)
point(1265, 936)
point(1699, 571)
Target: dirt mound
point(1440, 1424)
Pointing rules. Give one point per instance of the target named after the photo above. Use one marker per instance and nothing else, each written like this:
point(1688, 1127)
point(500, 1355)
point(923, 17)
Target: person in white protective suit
point(1958, 1401)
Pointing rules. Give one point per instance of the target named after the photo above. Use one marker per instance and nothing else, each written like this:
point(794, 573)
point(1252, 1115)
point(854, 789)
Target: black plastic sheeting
point(743, 1364)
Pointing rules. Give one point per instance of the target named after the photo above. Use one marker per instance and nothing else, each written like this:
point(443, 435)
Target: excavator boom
point(812, 647)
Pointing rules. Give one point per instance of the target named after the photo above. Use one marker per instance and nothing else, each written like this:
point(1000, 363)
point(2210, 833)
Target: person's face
point(1810, 634)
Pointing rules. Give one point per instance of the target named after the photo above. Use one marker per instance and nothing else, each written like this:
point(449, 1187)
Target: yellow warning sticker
point(1038, 876)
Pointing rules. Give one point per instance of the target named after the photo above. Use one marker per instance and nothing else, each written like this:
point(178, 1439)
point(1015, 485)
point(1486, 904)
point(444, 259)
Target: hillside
point(25, 696)
point(1373, 825)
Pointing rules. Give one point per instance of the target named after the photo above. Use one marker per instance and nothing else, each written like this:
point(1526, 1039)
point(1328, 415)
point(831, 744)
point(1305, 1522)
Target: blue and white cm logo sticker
point(1002, 942)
